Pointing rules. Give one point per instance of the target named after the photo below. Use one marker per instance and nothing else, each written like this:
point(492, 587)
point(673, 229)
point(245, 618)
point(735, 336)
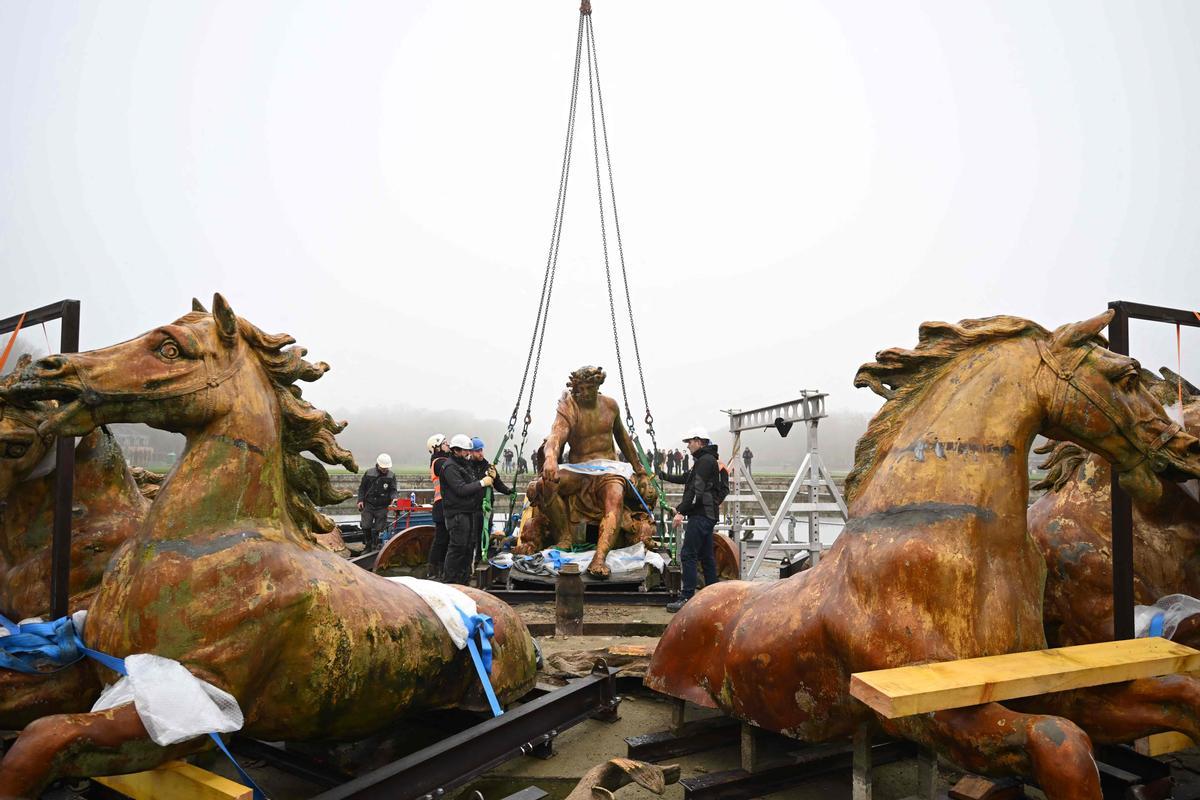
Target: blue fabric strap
point(1156, 625)
point(41, 643)
point(481, 654)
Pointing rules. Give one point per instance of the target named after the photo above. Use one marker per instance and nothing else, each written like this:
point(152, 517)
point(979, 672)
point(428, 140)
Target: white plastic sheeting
point(446, 602)
point(173, 704)
point(1175, 608)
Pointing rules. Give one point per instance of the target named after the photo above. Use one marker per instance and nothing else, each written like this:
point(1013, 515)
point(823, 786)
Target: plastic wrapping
point(1175, 608)
point(622, 561)
point(446, 602)
point(173, 704)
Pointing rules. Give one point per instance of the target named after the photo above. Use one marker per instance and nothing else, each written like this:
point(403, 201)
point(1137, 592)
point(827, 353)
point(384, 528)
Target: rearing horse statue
point(225, 575)
point(1072, 524)
point(107, 508)
point(936, 562)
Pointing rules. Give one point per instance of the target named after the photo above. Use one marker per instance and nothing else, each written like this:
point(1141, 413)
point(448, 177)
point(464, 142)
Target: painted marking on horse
point(194, 549)
point(917, 515)
point(240, 444)
point(942, 449)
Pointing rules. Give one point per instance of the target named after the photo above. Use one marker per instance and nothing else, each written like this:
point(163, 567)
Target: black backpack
point(720, 489)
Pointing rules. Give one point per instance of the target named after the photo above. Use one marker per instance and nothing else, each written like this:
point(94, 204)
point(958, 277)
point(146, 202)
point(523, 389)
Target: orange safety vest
point(437, 482)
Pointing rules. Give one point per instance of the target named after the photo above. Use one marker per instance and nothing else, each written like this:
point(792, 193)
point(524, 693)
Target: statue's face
point(586, 391)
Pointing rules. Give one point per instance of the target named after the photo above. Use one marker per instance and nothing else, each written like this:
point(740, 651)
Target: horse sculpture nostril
point(48, 366)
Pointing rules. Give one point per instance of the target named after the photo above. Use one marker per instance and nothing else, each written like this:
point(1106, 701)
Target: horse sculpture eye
point(169, 350)
point(15, 450)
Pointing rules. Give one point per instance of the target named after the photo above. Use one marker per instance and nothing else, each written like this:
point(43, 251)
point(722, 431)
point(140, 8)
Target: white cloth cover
point(173, 703)
point(624, 559)
point(599, 466)
point(446, 602)
point(1175, 609)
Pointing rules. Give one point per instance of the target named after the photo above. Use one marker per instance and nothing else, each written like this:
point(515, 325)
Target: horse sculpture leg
point(1122, 712)
point(24, 697)
point(109, 742)
point(992, 739)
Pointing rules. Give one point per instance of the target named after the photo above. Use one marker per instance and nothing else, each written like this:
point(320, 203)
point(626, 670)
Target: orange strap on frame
point(11, 341)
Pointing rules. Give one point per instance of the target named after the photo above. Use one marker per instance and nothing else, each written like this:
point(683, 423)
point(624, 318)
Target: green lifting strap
point(664, 529)
point(486, 536)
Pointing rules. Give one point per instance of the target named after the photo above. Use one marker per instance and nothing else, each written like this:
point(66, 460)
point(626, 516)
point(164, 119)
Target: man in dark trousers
point(376, 492)
point(748, 459)
point(439, 451)
point(701, 507)
point(480, 467)
point(462, 502)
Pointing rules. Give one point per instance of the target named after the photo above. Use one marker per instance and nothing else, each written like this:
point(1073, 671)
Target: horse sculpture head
point(1065, 458)
point(1100, 400)
point(22, 446)
point(191, 375)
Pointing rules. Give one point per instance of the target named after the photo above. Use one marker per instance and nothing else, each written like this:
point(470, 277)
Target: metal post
point(1122, 508)
point(568, 595)
point(814, 495)
point(64, 485)
point(861, 781)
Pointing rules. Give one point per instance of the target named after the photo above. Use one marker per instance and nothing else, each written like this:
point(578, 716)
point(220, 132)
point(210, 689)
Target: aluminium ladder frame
point(812, 475)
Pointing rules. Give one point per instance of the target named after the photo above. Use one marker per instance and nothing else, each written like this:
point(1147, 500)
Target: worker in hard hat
point(439, 452)
point(701, 505)
point(480, 466)
point(376, 492)
point(462, 502)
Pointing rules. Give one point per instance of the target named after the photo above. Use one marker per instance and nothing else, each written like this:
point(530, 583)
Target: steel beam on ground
point(431, 773)
point(634, 598)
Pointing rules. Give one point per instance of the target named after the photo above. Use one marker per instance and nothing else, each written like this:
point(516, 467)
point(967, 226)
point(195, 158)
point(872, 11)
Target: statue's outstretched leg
point(109, 742)
point(993, 740)
point(614, 499)
point(24, 697)
point(1122, 712)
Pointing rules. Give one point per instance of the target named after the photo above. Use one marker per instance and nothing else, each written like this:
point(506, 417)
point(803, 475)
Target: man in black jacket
point(376, 492)
point(480, 466)
point(701, 508)
point(462, 503)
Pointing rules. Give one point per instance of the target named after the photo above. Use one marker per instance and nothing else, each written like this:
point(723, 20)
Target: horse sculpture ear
point(1077, 333)
point(227, 323)
point(198, 306)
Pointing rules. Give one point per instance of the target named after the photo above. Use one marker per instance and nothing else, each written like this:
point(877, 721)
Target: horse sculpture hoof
point(598, 569)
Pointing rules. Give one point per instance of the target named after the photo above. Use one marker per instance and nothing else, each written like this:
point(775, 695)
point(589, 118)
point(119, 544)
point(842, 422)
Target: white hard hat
point(697, 433)
point(461, 442)
point(435, 441)
point(384, 461)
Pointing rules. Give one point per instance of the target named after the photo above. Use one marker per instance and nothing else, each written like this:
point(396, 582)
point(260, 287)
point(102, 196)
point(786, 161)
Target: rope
point(11, 341)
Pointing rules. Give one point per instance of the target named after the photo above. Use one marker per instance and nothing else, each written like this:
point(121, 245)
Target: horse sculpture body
point(1072, 524)
point(108, 507)
point(936, 562)
point(225, 575)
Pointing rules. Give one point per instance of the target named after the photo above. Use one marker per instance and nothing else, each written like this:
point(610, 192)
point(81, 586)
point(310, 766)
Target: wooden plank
point(178, 780)
point(921, 688)
point(1162, 743)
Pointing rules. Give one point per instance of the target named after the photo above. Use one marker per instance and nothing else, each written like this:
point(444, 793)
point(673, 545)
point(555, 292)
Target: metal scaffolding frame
point(813, 476)
point(1122, 505)
point(64, 483)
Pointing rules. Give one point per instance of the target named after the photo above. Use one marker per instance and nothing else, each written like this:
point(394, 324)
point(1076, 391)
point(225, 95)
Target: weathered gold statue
point(592, 486)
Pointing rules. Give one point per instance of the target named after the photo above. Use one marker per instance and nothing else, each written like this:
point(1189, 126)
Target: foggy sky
point(800, 183)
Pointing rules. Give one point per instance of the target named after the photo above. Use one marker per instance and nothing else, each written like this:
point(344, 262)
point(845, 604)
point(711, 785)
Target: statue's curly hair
point(585, 375)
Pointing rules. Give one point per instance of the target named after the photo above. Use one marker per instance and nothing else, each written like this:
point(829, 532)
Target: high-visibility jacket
point(437, 481)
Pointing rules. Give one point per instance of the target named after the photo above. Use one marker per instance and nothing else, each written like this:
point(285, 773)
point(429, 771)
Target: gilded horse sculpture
point(107, 508)
point(936, 562)
point(1072, 524)
point(225, 575)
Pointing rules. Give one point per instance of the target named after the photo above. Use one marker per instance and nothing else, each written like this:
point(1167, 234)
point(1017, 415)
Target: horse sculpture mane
point(1065, 458)
point(305, 428)
point(901, 377)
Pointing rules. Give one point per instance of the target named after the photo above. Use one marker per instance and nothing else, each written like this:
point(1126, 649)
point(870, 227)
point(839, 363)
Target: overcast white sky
point(800, 183)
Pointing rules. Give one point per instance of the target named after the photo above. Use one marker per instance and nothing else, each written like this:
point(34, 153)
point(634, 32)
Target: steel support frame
point(432, 772)
point(1122, 506)
point(812, 475)
point(64, 475)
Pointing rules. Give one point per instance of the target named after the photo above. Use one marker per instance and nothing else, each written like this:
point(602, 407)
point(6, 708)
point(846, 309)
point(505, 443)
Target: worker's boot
point(433, 572)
